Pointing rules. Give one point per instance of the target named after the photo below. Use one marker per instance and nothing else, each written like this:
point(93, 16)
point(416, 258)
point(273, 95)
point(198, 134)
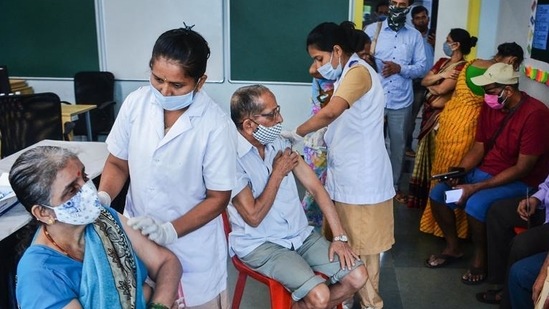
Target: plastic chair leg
point(280, 297)
point(239, 290)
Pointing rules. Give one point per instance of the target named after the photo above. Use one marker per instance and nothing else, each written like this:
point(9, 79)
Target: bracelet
point(157, 306)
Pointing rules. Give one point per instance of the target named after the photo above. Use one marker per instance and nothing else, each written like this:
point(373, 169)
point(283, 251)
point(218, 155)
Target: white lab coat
point(169, 176)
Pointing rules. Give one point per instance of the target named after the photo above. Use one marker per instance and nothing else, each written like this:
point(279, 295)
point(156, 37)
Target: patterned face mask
point(82, 209)
point(266, 135)
point(397, 17)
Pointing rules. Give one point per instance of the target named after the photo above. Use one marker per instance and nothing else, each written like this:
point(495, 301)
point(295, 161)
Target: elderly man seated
point(510, 156)
point(270, 232)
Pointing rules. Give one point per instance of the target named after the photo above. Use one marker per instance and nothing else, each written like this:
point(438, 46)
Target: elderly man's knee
point(356, 278)
point(318, 297)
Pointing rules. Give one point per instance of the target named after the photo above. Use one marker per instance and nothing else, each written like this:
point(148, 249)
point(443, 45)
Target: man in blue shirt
point(400, 56)
point(420, 20)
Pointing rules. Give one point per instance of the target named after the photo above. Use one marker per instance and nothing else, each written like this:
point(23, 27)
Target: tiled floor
point(405, 282)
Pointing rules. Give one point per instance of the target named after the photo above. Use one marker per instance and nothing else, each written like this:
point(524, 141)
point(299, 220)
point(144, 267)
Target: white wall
point(488, 29)
point(514, 17)
point(451, 14)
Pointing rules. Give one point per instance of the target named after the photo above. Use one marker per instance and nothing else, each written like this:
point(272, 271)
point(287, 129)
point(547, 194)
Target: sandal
point(401, 198)
point(474, 276)
point(444, 258)
point(490, 297)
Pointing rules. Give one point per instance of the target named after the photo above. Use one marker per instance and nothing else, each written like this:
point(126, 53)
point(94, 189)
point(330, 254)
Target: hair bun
point(474, 40)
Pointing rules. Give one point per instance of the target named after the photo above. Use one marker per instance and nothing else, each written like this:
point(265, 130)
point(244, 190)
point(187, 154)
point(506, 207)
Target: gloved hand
point(316, 139)
point(104, 198)
point(160, 233)
point(292, 136)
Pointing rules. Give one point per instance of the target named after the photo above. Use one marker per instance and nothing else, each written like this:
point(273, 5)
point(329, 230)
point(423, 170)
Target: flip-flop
point(478, 272)
point(490, 297)
point(446, 260)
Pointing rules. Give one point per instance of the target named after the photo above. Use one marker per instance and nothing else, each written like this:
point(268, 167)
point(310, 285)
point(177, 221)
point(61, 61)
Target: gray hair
point(246, 102)
point(34, 172)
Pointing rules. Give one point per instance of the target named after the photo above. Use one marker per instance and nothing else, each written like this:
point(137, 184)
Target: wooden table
point(92, 154)
point(69, 112)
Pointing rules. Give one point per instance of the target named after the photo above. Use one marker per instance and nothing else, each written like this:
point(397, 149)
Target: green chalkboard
point(48, 38)
point(267, 38)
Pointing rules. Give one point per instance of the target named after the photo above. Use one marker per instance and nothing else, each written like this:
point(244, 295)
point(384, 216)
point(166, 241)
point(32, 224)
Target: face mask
point(447, 49)
point(495, 101)
point(172, 103)
point(382, 17)
point(397, 17)
point(266, 135)
point(81, 209)
point(328, 72)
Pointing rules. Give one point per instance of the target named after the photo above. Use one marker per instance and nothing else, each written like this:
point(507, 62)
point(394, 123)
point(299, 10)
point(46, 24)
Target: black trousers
point(504, 247)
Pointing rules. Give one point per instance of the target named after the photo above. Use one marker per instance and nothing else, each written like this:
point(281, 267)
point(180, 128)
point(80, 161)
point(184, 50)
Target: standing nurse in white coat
point(178, 148)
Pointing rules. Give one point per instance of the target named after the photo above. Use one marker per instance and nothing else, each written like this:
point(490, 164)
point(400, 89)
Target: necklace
point(65, 252)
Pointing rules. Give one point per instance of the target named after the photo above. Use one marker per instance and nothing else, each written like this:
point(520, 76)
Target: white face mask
point(173, 103)
point(266, 135)
point(82, 209)
point(328, 72)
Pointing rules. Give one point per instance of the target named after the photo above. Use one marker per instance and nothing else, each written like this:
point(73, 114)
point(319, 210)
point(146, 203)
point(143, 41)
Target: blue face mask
point(328, 72)
point(173, 103)
point(447, 49)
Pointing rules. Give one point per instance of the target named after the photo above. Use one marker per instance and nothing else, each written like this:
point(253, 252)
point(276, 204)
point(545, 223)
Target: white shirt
point(359, 170)
point(285, 224)
point(170, 174)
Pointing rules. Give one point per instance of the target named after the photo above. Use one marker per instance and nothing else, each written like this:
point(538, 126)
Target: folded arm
point(253, 210)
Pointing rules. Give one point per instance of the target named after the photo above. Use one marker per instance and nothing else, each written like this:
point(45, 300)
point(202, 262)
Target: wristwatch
point(342, 238)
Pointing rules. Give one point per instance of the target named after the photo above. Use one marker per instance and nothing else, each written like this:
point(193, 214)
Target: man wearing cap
point(510, 156)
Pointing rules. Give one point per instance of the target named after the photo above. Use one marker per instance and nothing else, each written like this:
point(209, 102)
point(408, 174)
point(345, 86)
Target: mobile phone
point(449, 175)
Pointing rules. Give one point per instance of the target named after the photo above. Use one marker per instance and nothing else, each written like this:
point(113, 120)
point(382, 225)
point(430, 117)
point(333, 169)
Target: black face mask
point(397, 17)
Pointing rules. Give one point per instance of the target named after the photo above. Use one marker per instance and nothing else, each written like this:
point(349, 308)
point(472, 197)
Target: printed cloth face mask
point(397, 17)
point(495, 101)
point(266, 135)
point(328, 72)
point(82, 209)
point(173, 103)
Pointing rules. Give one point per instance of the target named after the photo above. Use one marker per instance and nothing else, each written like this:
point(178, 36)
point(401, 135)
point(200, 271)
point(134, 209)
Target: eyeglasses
point(271, 115)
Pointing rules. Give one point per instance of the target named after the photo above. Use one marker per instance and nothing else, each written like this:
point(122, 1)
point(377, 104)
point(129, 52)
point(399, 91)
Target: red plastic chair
point(519, 229)
point(280, 297)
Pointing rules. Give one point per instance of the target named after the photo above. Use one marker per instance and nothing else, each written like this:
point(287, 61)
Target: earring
point(50, 221)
